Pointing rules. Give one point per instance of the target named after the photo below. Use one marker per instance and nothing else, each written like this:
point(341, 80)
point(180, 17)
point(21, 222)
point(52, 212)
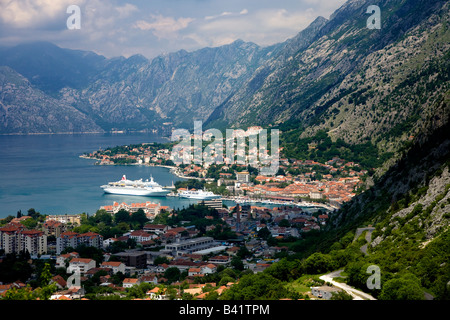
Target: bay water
point(45, 172)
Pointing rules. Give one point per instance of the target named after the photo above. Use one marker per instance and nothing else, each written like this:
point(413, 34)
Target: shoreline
point(173, 170)
point(76, 133)
point(51, 133)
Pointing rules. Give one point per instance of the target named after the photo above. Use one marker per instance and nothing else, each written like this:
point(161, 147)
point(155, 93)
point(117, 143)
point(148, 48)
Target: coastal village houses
point(150, 209)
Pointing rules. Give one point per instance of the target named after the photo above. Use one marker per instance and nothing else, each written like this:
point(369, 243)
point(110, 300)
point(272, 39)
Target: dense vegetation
point(322, 148)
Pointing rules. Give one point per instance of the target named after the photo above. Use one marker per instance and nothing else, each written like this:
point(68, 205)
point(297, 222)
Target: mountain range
point(336, 75)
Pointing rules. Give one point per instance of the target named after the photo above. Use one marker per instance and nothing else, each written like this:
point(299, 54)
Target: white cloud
point(126, 10)
point(227, 13)
point(25, 13)
point(244, 11)
point(163, 27)
point(264, 26)
point(283, 19)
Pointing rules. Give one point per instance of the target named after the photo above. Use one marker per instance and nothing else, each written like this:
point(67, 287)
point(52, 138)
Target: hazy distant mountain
point(51, 68)
point(136, 93)
point(25, 109)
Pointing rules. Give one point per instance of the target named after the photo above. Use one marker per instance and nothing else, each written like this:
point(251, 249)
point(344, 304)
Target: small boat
point(198, 194)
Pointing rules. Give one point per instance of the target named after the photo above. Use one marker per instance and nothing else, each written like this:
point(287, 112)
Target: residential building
point(130, 282)
point(33, 241)
point(324, 292)
point(194, 271)
point(9, 240)
point(243, 177)
point(14, 285)
point(80, 265)
point(150, 209)
point(59, 282)
point(149, 278)
point(74, 219)
point(141, 236)
point(189, 246)
point(54, 228)
point(62, 259)
point(209, 268)
point(70, 239)
point(116, 266)
point(214, 203)
point(70, 294)
point(135, 259)
point(315, 194)
point(15, 239)
point(220, 260)
point(157, 293)
point(65, 240)
point(156, 228)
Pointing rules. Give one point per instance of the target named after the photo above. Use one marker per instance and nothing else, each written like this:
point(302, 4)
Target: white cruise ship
point(198, 194)
point(135, 188)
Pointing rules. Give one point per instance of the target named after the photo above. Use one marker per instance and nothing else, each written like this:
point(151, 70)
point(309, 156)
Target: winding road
point(356, 294)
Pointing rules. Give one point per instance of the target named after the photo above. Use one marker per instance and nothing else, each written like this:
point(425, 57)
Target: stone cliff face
point(411, 201)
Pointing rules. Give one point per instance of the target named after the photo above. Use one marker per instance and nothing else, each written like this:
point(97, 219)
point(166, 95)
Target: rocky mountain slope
point(177, 87)
point(25, 109)
point(135, 93)
point(359, 84)
point(405, 216)
point(51, 68)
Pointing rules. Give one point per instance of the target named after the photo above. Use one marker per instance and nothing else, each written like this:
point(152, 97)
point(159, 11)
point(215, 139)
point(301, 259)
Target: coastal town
point(145, 250)
point(331, 183)
point(186, 260)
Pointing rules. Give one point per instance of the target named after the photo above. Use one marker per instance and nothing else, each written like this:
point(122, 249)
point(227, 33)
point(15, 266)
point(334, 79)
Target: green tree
point(20, 294)
point(15, 267)
point(237, 263)
point(243, 252)
point(284, 223)
point(122, 216)
point(341, 295)
point(319, 263)
point(139, 291)
point(264, 233)
point(138, 218)
point(32, 213)
point(283, 270)
point(225, 279)
point(406, 287)
point(172, 274)
point(46, 275)
point(256, 286)
point(103, 216)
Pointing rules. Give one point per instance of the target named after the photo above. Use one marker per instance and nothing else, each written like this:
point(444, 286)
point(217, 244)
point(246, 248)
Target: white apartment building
point(74, 219)
point(14, 239)
point(72, 239)
point(116, 266)
point(80, 265)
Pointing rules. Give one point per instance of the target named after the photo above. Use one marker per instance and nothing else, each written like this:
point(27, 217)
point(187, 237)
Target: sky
point(154, 27)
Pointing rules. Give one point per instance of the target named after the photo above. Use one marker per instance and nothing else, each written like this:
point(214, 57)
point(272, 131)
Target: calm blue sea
point(45, 172)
